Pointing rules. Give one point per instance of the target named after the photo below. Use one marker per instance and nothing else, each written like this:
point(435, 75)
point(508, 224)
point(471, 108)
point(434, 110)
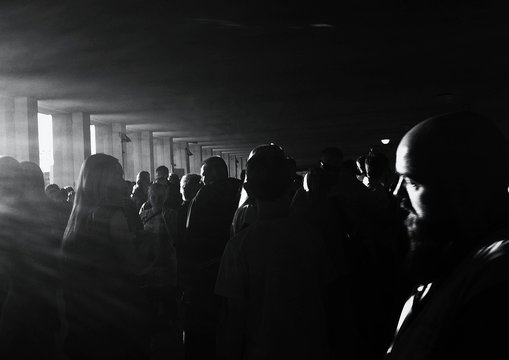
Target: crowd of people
point(353, 260)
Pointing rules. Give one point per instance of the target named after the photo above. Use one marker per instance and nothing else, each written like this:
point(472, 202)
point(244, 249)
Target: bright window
point(92, 139)
point(45, 142)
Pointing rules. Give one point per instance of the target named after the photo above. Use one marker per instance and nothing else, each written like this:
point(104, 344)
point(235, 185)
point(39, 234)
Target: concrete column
point(27, 129)
point(196, 159)
point(237, 169)
point(63, 168)
point(179, 155)
point(242, 163)
point(187, 157)
point(117, 135)
point(168, 159)
point(129, 173)
point(226, 159)
point(80, 140)
point(159, 153)
point(136, 154)
point(206, 153)
point(147, 152)
point(7, 127)
point(103, 143)
point(232, 166)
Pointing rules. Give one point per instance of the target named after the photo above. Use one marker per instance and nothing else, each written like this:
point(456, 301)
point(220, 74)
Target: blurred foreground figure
point(458, 223)
point(273, 274)
point(107, 311)
point(29, 237)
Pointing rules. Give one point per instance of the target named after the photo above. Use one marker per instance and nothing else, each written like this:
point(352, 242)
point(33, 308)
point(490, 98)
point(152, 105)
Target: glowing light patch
point(92, 140)
point(385, 141)
point(45, 127)
point(322, 25)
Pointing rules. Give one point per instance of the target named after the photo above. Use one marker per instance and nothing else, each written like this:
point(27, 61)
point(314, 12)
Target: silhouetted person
point(246, 213)
point(296, 178)
point(52, 191)
point(174, 194)
point(386, 247)
point(377, 170)
point(30, 318)
point(140, 190)
point(70, 194)
point(160, 222)
point(50, 215)
point(458, 222)
point(22, 294)
point(331, 159)
point(190, 184)
point(208, 229)
point(107, 311)
point(162, 172)
point(273, 274)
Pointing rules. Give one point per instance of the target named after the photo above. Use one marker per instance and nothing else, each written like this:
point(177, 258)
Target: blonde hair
point(100, 182)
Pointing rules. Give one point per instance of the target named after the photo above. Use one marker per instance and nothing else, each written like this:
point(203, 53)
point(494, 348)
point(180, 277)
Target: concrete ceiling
point(231, 74)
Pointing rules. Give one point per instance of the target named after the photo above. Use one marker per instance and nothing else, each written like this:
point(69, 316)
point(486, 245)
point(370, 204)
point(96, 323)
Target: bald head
point(453, 165)
point(463, 145)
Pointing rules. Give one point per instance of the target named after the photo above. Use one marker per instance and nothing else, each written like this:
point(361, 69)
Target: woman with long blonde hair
point(106, 310)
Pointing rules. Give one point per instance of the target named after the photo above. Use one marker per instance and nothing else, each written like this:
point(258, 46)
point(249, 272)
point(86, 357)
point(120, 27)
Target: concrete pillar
point(232, 166)
point(103, 143)
point(129, 173)
point(168, 158)
point(27, 129)
point(147, 152)
point(179, 154)
point(206, 153)
point(242, 163)
point(118, 132)
point(136, 154)
point(63, 168)
point(7, 127)
point(226, 160)
point(80, 140)
point(159, 153)
point(187, 153)
point(196, 159)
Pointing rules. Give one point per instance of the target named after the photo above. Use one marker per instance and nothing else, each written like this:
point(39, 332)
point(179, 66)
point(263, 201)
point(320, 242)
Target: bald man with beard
point(458, 225)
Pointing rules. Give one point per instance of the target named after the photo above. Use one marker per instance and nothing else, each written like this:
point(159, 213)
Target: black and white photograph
point(254, 180)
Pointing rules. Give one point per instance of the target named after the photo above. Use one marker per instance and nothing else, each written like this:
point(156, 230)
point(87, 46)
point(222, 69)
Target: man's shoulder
point(487, 268)
point(240, 238)
point(493, 249)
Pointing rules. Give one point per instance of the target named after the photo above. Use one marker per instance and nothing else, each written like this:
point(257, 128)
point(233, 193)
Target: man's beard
point(434, 248)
